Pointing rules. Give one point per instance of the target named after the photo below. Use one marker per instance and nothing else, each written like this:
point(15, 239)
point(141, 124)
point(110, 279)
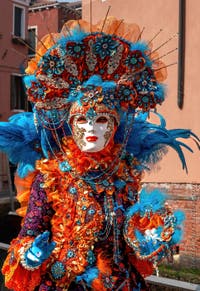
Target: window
point(17, 93)
point(24, 2)
point(32, 32)
point(19, 21)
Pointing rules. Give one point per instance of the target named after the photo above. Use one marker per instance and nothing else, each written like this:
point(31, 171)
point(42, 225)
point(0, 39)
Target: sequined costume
point(87, 223)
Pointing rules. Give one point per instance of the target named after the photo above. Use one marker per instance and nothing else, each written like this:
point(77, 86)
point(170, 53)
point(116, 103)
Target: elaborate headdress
point(105, 68)
point(99, 67)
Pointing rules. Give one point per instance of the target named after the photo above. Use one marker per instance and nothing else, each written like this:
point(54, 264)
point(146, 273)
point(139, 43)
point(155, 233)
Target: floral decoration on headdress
point(95, 66)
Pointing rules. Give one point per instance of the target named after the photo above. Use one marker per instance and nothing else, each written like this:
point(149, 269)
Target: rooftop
point(45, 4)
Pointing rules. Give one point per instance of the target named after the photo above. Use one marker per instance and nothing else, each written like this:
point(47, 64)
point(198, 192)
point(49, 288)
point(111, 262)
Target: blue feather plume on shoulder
point(148, 142)
point(20, 141)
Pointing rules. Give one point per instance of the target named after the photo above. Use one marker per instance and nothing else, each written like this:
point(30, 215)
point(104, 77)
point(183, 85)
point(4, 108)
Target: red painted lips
point(91, 138)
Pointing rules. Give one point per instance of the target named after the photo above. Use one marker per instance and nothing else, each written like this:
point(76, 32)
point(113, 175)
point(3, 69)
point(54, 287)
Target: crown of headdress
point(93, 67)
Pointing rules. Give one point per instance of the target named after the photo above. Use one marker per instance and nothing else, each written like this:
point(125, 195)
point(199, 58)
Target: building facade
point(161, 20)
point(49, 16)
point(13, 58)
point(13, 51)
point(27, 22)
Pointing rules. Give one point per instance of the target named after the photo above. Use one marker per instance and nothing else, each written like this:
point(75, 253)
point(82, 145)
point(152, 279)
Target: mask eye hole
point(102, 119)
point(81, 119)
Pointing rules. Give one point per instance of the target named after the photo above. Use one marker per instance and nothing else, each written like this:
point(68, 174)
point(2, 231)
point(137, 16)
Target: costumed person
point(81, 155)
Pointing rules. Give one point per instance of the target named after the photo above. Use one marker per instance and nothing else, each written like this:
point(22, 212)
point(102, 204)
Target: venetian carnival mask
point(92, 67)
point(92, 134)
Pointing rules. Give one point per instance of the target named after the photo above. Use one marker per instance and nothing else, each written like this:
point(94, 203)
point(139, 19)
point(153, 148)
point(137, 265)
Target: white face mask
point(92, 135)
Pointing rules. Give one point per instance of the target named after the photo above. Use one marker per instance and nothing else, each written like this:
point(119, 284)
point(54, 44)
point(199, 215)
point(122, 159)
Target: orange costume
point(88, 224)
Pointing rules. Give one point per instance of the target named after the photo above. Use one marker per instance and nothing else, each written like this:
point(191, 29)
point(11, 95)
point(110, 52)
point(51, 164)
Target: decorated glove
point(40, 250)
point(151, 227)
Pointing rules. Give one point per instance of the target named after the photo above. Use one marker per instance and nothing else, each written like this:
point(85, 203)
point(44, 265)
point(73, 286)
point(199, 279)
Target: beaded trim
point(22, 252)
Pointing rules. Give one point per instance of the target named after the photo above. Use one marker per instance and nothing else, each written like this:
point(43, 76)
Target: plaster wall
point(46, 21)
point(12, 55)
point(153, 16)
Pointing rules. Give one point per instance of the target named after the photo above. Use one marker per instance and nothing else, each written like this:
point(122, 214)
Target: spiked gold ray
point(90, 15)
point(172, 64)
point(118, 26)
point(139, 36)
point(163, 44)
point(105, 18)
point(166, 54)
point(155, 36)
point(28, 46)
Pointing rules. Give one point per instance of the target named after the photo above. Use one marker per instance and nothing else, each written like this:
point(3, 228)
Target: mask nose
point(91, 127)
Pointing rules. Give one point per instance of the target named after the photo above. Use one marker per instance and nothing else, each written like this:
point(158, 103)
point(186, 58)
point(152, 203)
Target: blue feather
point(149, 201)
point(180, 216)
point(176, 237)
point(88, 276)
point(148, 142)
point(18, 139)
point(76, 35)
point(143, 47)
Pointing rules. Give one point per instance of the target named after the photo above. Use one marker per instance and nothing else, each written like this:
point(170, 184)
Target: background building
point(27, 22)
point(49, 16)
point(182, 105)
point(13, 56)
point(13, 53)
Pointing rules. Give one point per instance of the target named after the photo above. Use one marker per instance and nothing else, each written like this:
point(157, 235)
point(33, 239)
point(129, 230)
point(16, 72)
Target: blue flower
point(65, 166)
point(105, 46)
point(125, 93)
point(74, 83)
point(53, 64)
point(57, 270)
point(37, 91)
point(146, 101)
point(135, 60)
point(75, 49)
point(91, 211)
point(146, 82)
point(146, 87)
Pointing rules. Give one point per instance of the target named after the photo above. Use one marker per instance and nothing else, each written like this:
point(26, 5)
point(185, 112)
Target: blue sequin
point(120, 184)
point(70, 254)
point(65, 166)
point(91, 211)
point(72, 190)
point(91, 113)
point(91, 257)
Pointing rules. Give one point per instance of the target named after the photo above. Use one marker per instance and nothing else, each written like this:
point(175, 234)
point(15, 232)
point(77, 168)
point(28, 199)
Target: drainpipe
point(181, 53)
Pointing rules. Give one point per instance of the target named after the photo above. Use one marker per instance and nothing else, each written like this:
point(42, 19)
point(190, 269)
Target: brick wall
point(185, 196)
